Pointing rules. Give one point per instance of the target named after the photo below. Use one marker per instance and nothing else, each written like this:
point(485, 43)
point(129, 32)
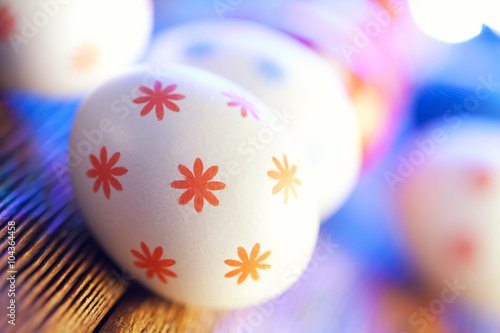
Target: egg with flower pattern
point(167, 178)
point(63, 47)
point(293, 80)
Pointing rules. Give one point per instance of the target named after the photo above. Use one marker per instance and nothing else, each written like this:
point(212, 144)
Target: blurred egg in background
point(64, 47)
point(303, 90)
point(449, 208)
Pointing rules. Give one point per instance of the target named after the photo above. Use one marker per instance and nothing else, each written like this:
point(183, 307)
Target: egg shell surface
point(194, 211)
point(293, 80)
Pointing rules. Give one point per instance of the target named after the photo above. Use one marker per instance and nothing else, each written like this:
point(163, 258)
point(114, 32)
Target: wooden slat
point(64, 282)
point(142, 312)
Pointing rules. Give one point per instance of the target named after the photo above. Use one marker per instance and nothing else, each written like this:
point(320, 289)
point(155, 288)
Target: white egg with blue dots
point(301, 87)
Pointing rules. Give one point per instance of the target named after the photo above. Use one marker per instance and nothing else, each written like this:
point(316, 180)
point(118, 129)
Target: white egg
point(62, 47)
point(289, 77)
point(450, 209)
point(160, 176)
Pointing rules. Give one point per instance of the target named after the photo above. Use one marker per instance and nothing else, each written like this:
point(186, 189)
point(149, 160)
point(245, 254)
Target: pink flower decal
point(244, 105)
point(157, 98)
point(153, 263)
point(105, 172)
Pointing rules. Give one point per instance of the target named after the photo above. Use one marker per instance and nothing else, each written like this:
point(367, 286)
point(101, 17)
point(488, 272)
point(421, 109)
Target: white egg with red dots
point(163, 186)
point(293, 80)
point(450, 210)
point(61, 47)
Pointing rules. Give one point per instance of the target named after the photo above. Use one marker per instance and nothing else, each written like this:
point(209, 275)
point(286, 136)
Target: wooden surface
point(64, 282)
point(136, 313)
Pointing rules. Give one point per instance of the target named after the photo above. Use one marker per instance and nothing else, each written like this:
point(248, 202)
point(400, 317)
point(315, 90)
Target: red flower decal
point(482, 179)
point(7, 23)
point(105, 173)
point(463, 249)
point(198, 185)
point(244, 104)
point(153, 263)
point(157, 98)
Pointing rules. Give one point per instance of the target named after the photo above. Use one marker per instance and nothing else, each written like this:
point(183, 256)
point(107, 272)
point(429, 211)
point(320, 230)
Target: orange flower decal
point(157, 98)
point(7, 23)
point(286, 178)
point(198, 185)
point(86, 58)
point(153, 263)
point(248, 266)
point(105, 173)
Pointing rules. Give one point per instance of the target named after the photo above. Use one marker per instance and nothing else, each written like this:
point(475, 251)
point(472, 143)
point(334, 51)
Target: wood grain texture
point(141, 311)
point(64, 282)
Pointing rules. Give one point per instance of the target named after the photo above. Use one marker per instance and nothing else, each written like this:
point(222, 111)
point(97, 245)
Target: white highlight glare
point(451, 21)
point(491, 14)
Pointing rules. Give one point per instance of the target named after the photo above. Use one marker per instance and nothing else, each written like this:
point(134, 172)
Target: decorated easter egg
point(293, 80)
point(63, 47)
point(449, 206)
point(166, 174)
